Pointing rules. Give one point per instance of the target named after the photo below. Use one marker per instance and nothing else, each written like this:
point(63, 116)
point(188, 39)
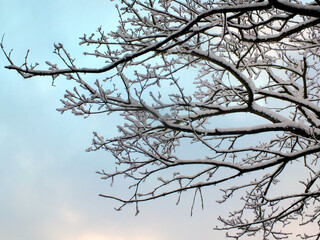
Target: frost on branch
point(178, 72)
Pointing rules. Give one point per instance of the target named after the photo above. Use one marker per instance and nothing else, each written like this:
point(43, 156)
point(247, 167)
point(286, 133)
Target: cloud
point(114, 236)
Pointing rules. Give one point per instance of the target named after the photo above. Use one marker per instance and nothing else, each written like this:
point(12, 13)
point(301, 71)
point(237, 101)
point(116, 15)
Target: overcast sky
point(48, 186)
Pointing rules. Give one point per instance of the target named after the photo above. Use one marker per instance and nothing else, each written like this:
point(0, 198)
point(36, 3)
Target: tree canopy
point(234, 81)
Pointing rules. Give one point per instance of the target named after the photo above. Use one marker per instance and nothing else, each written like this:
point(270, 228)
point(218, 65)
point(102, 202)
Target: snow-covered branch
point(211, 93)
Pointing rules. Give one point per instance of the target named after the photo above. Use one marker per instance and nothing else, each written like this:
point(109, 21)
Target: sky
point(48, 186)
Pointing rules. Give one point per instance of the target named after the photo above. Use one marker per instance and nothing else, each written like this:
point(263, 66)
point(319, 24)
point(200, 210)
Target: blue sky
point(48, 186)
